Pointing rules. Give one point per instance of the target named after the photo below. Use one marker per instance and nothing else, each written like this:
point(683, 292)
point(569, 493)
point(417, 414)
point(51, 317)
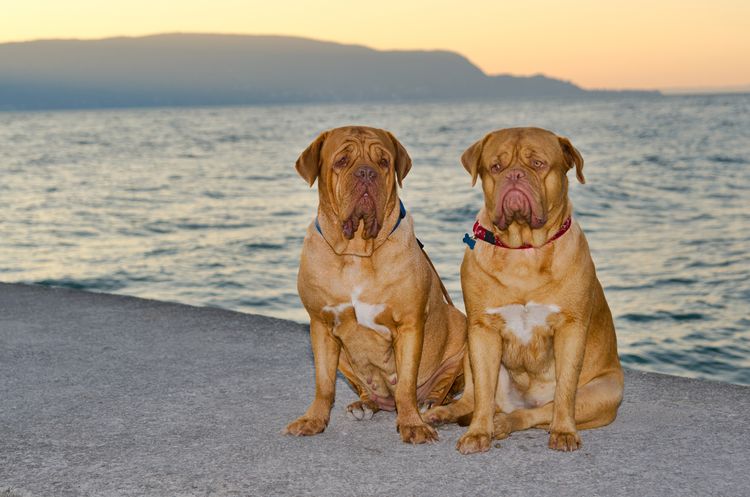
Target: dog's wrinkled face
point(357, 169)
point(523, 173)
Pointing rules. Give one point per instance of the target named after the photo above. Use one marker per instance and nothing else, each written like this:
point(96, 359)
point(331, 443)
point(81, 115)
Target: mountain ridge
point(180, 69)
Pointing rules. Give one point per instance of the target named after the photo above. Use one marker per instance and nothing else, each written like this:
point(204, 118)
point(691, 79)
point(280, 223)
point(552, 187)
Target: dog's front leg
point(408, 349)
point(569, 344)
point(326, 358)
point(485, 352)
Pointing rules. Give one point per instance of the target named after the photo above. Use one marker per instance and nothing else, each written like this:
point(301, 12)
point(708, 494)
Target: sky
point(639, 44)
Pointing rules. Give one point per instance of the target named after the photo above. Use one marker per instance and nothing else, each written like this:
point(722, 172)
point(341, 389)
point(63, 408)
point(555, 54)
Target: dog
point(542, 345)
point(379, 312)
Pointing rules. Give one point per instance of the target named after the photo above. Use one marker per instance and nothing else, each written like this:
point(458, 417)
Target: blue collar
point(401, 215)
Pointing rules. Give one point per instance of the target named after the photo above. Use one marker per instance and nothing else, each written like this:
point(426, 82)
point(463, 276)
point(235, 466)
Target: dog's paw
point(501, 426)
point(417, 434)
point(564, 441)
point(362, 409)
point(305, 426)
point(426, 406)
point(439, 415)
point(471, 443)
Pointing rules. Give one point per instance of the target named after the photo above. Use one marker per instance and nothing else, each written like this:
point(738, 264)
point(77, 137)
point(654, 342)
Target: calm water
point(203, 206)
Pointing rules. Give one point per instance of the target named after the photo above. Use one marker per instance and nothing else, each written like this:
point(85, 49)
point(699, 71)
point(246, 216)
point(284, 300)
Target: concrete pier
point(104, 395)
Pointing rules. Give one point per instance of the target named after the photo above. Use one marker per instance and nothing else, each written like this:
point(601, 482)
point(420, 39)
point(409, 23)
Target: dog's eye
point(537, 163)
point(495, 168)
point(341, 162)
point(383, 162)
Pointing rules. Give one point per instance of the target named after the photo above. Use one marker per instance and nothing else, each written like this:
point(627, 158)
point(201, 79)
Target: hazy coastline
point(219, 70)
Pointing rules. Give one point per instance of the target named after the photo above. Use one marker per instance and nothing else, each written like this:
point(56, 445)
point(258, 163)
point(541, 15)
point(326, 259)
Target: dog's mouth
point(519, 205)
point(364, 210)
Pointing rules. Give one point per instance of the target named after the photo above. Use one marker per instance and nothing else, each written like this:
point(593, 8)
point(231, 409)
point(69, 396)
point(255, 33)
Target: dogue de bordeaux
point(378, 310)
point(542, 345)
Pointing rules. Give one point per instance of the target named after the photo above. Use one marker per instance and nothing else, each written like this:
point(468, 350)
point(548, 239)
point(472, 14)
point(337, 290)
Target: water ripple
point(204, 206)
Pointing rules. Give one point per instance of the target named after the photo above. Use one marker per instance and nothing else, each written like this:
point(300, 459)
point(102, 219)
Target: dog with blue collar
point(379, 313)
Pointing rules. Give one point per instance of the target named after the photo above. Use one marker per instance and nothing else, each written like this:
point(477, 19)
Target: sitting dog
point(378, 310)
point(542, 345)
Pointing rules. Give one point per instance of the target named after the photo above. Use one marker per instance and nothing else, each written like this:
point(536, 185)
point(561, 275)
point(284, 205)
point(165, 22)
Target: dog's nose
point(516, 174)
point(365, 173)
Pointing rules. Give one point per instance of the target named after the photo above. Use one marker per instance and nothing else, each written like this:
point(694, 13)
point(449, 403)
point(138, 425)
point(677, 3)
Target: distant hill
point(204, 69)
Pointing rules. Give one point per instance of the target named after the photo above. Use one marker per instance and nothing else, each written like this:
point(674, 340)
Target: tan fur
point(567, 376)
point(418, 360)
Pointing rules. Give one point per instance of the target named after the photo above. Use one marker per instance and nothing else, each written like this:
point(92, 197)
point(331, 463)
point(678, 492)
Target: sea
point(203, 206)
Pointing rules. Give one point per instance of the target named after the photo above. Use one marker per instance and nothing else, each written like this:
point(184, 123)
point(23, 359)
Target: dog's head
point(357, 169)
point(523, 173)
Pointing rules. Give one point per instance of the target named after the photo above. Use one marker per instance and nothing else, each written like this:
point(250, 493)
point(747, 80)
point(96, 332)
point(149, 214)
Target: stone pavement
point(104, 395)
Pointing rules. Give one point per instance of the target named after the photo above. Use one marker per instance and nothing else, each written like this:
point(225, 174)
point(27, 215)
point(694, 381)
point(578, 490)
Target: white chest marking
point(364, 312)
point(522, 319)
point(336, 310)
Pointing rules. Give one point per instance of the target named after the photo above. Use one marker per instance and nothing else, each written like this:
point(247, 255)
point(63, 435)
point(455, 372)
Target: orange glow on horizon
point(635, 44)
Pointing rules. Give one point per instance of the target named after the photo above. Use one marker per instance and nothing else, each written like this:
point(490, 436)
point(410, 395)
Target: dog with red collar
point(542, 344)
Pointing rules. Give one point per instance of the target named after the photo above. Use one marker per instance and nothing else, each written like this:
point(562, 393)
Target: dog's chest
point(359, 311)
point(527, 331)
point(353, 299)
point(522, 321)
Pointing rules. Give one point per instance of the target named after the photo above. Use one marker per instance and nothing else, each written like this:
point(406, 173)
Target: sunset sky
point(596, 44)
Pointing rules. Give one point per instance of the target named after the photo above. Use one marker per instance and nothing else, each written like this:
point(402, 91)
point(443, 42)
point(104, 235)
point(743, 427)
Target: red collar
point(482, 233)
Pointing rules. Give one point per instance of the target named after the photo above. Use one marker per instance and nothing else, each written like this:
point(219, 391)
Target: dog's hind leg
point(596, 405)
point(457, 409)
point(362, 409)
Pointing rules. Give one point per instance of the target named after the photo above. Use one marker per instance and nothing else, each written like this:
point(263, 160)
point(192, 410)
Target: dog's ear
point(308, 163)
point(470, 159)
point(402, 160)
point(572, 157)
